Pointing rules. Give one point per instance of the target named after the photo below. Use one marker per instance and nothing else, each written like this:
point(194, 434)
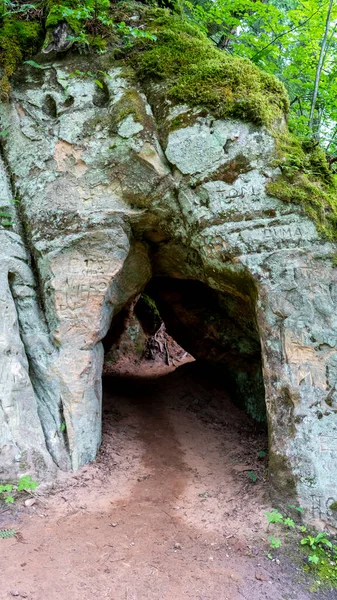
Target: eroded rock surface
point(111, 193)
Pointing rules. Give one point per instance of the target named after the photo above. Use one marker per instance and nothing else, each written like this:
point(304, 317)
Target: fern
point(7, 533)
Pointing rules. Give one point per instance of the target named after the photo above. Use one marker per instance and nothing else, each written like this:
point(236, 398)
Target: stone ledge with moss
point(166, 159)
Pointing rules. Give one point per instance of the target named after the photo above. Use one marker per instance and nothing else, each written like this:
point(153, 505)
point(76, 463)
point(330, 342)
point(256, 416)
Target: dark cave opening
point(177, 320)
point(184, 353)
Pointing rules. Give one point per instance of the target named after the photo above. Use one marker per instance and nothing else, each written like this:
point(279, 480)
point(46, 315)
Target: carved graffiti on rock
point(321, 507)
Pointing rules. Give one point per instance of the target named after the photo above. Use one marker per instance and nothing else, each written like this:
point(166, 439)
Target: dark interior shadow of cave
point(224, 384)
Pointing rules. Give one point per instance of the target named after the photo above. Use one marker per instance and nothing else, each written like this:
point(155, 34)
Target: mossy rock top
point(197, 73)
point(194, 70)
point(180, 58)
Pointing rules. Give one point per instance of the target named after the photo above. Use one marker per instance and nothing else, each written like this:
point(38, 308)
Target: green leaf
point(274, 517)
point(9, 499)
point(298, 508)
point(32, 63)
point(7, 533)
point(289, 522)
point(6, 488)
point(26, 483)
point(99, 83)
point(313, 558)
point(274, 542)
point(252, 476)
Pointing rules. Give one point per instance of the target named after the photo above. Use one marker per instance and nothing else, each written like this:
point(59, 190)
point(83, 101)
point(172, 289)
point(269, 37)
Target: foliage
point(34, 64)
point(252, 476)
point(6, 490)
point(274, 517)
point(7, 533)
point(133, 32)
point(91, 17)
point(319, 550)
point(23, 27)
point(9, 491)
point(76, 15)
point(89, 74)
point(274, 542)
point(6, 219)
point(314, 541)
point(284, 38)
point(298, 508)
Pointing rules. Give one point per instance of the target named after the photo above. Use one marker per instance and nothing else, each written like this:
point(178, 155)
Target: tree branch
point(320, 65)
point(286, 32)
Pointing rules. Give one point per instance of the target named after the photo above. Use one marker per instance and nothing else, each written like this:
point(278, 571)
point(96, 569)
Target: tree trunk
point(320, 65)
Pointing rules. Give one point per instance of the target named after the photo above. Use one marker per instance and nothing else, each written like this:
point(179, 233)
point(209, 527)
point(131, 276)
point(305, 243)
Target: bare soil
point(168, 510)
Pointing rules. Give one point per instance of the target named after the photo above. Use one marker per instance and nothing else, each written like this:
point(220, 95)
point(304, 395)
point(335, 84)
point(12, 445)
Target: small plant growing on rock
point(9, 492)
point(6, 493)
point(252, 476)
point(274, 542)
point(319, 552)
point(319, 540)
point(274, 517)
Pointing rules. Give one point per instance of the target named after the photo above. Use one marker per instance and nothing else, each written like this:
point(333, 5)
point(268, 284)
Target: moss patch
point(325, 571)
point(307, 181)
point(197, 73)
point(281, 473)
point(150, 303)
point(130, 104)
point(65, 11)
point(18, 39)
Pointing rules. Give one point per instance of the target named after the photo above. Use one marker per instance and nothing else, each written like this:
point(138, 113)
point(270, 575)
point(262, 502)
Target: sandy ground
point(167, 512)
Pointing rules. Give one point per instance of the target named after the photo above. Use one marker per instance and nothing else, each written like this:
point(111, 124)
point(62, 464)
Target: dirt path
point(167, 512)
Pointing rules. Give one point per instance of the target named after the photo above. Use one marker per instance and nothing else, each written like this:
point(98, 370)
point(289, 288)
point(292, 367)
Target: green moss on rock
point(306, 180)
point(150, 304)
point(280, 471)
point(129, 104)
point(64, 11)
point(18, 39)
point(197, 73)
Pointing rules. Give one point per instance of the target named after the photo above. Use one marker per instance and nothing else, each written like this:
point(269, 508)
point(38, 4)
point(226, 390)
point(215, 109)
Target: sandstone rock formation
point(97, 201)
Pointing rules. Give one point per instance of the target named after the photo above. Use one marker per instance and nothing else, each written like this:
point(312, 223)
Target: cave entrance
point(182, 356)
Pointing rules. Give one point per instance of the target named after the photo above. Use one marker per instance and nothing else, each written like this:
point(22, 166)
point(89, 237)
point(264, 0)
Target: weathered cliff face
point(114, 187)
